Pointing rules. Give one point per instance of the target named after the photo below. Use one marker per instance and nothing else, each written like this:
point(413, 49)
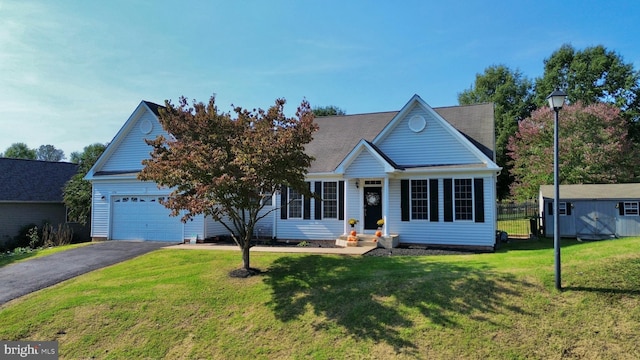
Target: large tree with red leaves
point(227, 166)
point(595, 148)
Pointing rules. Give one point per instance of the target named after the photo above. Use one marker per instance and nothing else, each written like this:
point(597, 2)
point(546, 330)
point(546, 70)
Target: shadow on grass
point(619, 277)
point(376, 298)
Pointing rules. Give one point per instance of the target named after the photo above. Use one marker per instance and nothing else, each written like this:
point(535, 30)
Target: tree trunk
point(245, 254)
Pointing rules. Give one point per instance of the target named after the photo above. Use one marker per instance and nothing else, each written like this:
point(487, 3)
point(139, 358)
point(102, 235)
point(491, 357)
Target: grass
point(180, 304)
point(10, 258)
point(515, 226)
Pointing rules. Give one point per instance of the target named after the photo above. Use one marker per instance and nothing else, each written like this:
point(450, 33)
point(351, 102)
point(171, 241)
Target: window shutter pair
point(405, 200)
point(318, 203)
point(284, 193)
point(284, 200)
point(478, 199)
point(567, 206)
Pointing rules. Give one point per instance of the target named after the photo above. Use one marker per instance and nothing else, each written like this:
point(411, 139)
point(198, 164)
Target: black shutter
point(404, 200)
point(448, 199)
point(340, 200)
point(433, 200)
point(621, 208)
point(568, 208)
point(283, 201)
point(318, 201)
point(478, 201)
point(307, 204)
point(550, 209)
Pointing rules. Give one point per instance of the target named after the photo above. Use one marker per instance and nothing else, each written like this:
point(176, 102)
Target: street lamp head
point(556, 99)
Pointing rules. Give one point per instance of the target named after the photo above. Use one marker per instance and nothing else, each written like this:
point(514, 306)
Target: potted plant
point(380, 223)
point(353, 222)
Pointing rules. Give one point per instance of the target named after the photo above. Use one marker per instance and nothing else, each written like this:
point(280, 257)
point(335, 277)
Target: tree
point(592, 75)
point(77, 191)
point(20, 151)
point(512, 96)
point(328, 110)
point(227, 168)
point(594, 148)
point(49, 153)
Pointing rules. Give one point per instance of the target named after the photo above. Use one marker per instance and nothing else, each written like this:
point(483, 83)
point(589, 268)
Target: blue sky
point(72, 72)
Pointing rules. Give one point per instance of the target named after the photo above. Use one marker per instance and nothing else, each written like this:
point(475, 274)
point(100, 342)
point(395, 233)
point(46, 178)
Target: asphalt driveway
point(28, 276)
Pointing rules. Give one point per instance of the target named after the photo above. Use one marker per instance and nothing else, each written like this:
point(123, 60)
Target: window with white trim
point(295, 204)
point(330, 200)
point(463, 199)
point(562, 208)
point(420, 199)
point(631, 208)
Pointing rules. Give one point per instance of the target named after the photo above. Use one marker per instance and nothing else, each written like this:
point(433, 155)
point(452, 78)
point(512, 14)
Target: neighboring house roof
point(33, 180)
point(337, 135)
point(593, 191)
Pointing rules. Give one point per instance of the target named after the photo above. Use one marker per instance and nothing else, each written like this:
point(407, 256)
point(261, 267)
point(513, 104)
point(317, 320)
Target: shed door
point(595, 219)
point(143, 218)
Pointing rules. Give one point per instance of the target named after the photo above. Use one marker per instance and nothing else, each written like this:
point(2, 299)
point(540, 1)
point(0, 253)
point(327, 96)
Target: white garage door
point(143, 218)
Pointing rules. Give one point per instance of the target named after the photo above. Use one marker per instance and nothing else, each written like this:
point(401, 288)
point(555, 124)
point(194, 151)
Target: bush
point(23, 238)
point(33, 237)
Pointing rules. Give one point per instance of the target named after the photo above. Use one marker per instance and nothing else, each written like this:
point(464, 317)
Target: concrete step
point(364, 240)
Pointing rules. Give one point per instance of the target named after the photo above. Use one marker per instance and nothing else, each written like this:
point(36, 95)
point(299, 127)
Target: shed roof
point(337, 135)
point(593, 191)
point(33, 180)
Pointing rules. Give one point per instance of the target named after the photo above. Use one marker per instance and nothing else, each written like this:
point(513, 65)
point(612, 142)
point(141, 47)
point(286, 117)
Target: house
point(432, 181)
point(592, 211)
point(31, 193)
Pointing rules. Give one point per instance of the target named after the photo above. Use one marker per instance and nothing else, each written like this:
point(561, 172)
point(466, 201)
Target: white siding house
point(431, 180)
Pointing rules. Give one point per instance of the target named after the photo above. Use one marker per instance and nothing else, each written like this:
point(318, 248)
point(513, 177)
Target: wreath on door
point(373, 199)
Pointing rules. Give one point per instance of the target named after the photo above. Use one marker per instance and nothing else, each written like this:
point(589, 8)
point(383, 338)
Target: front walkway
point(352, 250)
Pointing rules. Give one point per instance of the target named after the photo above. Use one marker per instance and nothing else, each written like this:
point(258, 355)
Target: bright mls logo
point(37, 350)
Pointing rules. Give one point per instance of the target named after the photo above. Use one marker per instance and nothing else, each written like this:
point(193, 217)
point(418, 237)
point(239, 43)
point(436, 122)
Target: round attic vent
point(417, 123)
point(146, 126)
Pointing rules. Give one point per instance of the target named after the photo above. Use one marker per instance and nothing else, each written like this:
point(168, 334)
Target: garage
point(143, 218)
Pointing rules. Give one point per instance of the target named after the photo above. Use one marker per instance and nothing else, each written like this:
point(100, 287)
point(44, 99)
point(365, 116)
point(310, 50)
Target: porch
point(368, 240)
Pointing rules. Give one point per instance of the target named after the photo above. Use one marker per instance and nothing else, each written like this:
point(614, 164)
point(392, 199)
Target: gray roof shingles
point(33, 180)
point(593, 191)
point(337, 135)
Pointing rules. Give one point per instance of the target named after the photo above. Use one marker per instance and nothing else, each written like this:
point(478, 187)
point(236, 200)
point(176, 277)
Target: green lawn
point(180, 304)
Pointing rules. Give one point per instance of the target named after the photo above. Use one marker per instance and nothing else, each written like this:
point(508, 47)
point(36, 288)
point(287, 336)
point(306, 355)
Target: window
point(295, 204)
point(419, 199)
point(330, 200)
point(631, 208)
point(463, 199)
point(562, 208)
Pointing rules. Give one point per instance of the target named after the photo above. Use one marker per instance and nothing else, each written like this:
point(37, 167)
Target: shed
point(592, 211)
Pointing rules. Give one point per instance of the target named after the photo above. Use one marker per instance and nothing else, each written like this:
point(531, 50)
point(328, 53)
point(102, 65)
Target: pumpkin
point(353, 233)
point(378, 233)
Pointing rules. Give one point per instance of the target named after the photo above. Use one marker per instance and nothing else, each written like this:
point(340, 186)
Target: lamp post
point(556, 100)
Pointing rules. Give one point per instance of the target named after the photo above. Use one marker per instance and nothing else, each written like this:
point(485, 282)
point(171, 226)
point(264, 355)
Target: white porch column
point(345, 222)
point(385, 206)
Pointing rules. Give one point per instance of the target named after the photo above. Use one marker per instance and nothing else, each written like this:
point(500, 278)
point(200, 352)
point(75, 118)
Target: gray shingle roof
point(154, 107)
point(337, 135)
point(33, 181)
point(593, 191)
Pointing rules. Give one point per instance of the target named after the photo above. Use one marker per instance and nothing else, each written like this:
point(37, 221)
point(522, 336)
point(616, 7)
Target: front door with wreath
point(372, 207)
